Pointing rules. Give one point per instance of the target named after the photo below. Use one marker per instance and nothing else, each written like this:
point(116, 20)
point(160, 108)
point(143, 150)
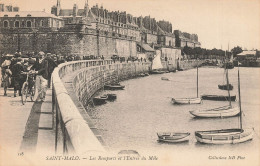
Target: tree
point(257, 53)
point(236, 50)
point(187, 50)
point(198, 50)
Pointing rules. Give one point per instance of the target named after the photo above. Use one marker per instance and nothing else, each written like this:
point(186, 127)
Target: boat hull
point(227, 136)
point(220, 112)
point(100, 100)
point(165, 78)
point(114, 87)
point(218, 98)
point(111, 97)
point(225, 87)
point(186, 100)
point(173, 137)
point(157, 72)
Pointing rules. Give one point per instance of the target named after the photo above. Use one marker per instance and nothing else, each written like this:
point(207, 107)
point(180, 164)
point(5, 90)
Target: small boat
point(224, 136)
point(115, 86)
point(157, 67)
point(220, 112)
point(111, 97)
point(225, 87)
point(144, 74)
point(157, 72)
point(172, 137)
point(165, 78)
point(99, 100)
point(194, 100)
point(174, 70)
point(191, 100)
point(218, 97)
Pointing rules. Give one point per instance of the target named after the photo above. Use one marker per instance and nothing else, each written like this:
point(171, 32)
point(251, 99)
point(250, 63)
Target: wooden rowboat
point(100, 100)
point(172, 137)
point(114, 87)
point(194, 100)
point(111, 97)
point(165, 78)
point(225, 87)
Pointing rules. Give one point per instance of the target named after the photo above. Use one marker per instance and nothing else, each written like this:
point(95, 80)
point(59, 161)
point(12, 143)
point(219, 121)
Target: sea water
point(145, 108)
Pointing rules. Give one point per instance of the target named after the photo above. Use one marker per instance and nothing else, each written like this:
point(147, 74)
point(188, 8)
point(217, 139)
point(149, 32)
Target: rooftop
point(244, 53)
point(28, 14)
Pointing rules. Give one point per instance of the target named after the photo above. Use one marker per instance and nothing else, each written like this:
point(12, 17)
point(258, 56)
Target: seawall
point(87, 82)
point(189, 64)
point(74, 84)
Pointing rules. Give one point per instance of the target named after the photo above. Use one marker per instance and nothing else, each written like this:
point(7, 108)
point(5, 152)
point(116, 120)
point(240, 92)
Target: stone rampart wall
point(66, 43)
point(87, 82)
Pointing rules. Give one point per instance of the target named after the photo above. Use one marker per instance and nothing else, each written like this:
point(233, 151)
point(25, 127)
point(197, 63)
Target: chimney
point(75, 12)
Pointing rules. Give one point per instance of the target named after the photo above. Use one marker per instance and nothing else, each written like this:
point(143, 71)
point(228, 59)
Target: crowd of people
point(14, 66)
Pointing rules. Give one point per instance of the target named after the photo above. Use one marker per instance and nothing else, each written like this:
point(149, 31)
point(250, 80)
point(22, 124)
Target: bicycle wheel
point(24, 92)
point(33, 91)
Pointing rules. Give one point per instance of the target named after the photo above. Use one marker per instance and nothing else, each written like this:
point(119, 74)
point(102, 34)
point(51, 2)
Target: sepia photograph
point(130, 82)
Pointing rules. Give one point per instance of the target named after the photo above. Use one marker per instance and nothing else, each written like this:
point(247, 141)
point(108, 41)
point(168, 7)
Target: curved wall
point(74, 84)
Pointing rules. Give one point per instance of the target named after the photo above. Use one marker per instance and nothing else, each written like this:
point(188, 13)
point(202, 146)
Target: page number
point(20, 154)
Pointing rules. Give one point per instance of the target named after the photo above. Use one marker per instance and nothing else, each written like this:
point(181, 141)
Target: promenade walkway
point(26, 128)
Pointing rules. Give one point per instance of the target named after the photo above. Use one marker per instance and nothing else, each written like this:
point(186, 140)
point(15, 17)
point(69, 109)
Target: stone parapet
point(86, 78)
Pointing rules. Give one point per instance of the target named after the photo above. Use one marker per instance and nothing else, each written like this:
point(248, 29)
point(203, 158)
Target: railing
point(72, 133)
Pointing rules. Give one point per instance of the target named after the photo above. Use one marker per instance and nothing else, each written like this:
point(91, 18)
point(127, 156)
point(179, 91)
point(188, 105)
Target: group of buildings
point(129, 35)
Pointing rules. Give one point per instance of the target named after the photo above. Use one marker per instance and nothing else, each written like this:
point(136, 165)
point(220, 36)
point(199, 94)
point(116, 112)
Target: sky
point(218, 23)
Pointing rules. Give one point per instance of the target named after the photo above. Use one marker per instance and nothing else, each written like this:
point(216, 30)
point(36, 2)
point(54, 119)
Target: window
point(17, 15)
point(29, 15)
point(6, 24)
point(17, 24)
point(41, 23)
point(28, 24)
point(5, 15)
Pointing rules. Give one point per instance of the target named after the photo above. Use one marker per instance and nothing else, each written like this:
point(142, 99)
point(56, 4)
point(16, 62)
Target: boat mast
point(118, 73)
point(197, 80)
point(239, 98)
point(229, 99)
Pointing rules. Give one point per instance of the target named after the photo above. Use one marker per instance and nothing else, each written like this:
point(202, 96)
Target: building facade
point(90, 31)
point(185, 39)
point(29, 19)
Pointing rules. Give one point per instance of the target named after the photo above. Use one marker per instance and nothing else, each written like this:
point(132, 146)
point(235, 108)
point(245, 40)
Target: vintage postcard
point(130, 82)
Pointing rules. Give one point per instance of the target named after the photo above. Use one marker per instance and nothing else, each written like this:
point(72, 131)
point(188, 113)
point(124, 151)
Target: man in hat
point(18, 78)
point(6, 64)
point(41, 82)
point(51, 65)
point(6, 74)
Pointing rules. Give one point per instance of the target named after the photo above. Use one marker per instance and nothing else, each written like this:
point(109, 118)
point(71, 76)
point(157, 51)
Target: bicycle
point(28, 88)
